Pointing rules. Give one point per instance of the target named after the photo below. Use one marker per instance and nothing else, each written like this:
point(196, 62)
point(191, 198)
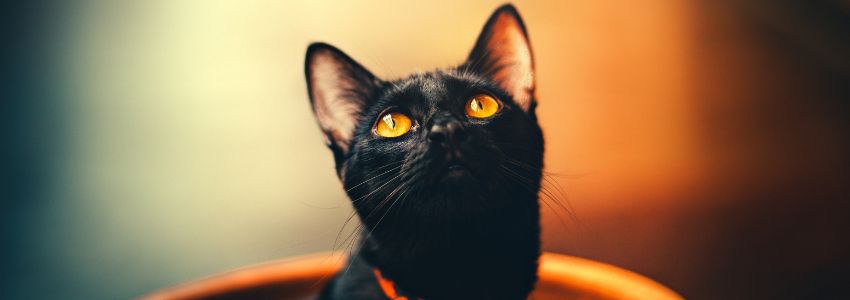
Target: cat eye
point(482, 106)
point(393, 124)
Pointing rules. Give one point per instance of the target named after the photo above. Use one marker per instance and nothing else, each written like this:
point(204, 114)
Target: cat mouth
point(455, 168)
point(450, 167)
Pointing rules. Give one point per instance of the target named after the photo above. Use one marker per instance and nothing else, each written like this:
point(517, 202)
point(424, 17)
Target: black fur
point(438, 233)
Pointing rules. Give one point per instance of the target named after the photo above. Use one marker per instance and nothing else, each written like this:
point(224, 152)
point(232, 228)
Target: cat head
point(434, 147)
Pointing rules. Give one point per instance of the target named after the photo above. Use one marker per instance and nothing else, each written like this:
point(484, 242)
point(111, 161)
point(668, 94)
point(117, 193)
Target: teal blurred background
point(174, 148)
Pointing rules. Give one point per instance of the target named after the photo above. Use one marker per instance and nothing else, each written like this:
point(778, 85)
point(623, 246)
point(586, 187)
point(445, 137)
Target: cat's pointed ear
point(503, 53)
point(339, 89)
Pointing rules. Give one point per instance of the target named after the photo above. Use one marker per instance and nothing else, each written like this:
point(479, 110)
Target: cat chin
point(453, 179)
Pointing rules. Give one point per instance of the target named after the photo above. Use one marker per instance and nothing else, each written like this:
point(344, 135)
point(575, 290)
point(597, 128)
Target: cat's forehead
point(434, 87)
point(430, 84)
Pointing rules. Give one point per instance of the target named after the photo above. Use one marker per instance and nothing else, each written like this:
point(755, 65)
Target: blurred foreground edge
point(561, 277)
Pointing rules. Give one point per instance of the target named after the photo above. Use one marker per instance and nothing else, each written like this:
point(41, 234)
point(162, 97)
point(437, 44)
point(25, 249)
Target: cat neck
point(497, 263)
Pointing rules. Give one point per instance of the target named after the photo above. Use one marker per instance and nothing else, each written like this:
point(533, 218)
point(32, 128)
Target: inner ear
point(339, 89)
point(503, 53)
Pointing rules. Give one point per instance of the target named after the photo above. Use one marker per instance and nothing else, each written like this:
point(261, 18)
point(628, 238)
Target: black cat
point(443, 169)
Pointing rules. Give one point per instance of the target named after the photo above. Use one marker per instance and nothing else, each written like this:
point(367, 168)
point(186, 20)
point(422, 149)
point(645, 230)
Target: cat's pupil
point(388, 119)
point(476, 105)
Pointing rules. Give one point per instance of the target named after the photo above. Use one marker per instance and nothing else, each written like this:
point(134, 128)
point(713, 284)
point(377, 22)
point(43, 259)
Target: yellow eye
point(393, 124)
point(482, 106)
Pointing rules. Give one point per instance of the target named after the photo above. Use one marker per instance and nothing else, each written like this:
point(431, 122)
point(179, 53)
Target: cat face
point(445, 147)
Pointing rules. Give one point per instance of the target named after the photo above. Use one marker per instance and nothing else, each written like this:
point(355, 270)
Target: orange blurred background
point(701, 143)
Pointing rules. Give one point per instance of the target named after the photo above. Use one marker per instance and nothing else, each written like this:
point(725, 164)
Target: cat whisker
point(524, 184)
point(385, 200)
point(405, 194)
point(376, 190)
point(378, 207)
point(396, 165)
point(551, 181)
point(351, 249)
point(545, 193)
point(368, 232)
point(336, 240)
point(547, 178)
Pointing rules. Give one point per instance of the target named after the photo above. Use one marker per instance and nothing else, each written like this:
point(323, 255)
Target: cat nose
point(450, 132)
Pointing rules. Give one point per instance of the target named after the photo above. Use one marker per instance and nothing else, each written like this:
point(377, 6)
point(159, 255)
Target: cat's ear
point(339, 89)
point(503, 53)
